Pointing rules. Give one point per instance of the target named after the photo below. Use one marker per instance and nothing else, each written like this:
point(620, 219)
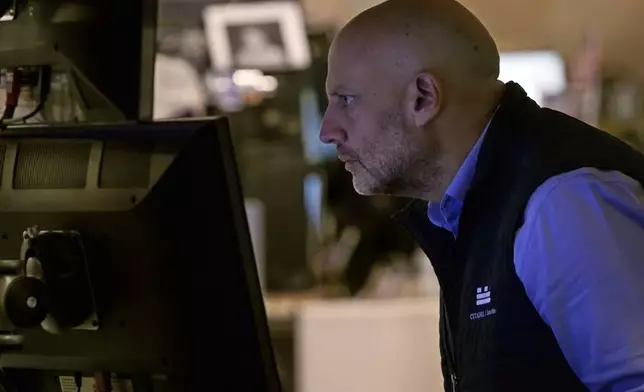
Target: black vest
point(492, 337)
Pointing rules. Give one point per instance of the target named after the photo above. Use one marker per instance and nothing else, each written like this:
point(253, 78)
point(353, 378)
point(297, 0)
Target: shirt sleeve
point(580, 256)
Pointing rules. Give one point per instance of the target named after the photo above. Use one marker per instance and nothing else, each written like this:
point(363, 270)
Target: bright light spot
point(255, 80)
point(540, 73)
point(247, 77)
point(268, 84)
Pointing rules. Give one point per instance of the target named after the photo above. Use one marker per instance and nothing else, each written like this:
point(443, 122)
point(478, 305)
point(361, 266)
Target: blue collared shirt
point(580, 256)
point(447, 213)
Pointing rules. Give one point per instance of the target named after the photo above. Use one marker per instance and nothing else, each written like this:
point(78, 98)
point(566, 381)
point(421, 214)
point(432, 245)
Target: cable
point(45, 87)
point(13, 94)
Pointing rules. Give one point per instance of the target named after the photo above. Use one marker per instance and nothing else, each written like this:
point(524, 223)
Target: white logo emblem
point(483, 296)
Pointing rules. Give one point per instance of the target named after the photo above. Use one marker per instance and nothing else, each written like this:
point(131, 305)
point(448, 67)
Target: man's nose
point(331, 132)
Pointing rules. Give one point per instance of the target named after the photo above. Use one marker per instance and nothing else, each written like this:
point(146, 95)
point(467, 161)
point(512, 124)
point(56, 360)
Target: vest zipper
point(454, 381)
point(451, 360)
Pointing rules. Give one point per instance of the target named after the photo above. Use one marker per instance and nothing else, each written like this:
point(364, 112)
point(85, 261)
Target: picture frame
point(269, 36)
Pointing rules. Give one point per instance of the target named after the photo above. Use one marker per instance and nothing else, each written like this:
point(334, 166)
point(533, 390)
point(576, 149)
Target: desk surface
point(285, 307)
point(368, 345)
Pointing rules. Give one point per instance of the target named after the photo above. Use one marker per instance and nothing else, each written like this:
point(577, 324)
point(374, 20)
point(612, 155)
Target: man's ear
point(423, 98)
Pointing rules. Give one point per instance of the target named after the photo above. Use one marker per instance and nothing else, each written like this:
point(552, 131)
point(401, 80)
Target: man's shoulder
point(578, 256)
point(573, 208)
point(585, 183)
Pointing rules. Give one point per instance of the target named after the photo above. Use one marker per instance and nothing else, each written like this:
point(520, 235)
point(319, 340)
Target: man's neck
point(458, 141)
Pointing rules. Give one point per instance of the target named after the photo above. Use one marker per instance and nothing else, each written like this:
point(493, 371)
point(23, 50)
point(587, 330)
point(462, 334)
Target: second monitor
point(139, 235)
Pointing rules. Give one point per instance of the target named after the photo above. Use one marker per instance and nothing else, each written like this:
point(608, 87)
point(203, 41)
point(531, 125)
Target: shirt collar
point(446, 213)
point(461, 182)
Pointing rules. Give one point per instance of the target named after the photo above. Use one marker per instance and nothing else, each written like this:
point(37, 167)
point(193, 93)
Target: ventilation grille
point(52, 165)
point(3, 151)
point(125, 165)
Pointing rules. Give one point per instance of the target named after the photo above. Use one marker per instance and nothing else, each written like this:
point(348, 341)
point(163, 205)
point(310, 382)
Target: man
point(533, 221)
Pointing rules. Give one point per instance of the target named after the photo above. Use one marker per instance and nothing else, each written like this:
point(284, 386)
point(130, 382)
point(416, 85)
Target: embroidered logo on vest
point(483, 297)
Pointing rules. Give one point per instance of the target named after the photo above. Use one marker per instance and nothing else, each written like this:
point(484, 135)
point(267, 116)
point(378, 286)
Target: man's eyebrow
point(338, 91)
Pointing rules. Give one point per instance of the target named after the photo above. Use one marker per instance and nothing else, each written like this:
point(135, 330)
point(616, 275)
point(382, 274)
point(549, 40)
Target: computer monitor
point(149, 218)
point(103, 49)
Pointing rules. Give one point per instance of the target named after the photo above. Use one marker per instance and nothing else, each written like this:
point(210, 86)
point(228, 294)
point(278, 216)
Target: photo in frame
point(269, 36)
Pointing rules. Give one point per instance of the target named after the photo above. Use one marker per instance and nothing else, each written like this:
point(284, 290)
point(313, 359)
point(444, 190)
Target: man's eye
point(347, 99)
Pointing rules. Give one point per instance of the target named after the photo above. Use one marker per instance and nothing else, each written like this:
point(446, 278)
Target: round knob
point(25, 302)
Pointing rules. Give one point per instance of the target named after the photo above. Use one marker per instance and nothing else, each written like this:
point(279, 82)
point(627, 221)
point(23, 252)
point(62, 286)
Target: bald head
point(410, 85)
point(440, 36)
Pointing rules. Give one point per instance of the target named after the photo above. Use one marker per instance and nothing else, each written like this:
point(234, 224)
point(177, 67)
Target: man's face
point(366, 121)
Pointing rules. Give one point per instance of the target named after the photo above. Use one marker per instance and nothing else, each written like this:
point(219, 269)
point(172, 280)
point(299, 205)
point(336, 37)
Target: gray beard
point(413, 170)
point(417, 172)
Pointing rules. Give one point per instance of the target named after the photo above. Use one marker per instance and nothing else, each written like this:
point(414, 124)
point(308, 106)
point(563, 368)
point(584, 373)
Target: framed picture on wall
point(269, 36)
